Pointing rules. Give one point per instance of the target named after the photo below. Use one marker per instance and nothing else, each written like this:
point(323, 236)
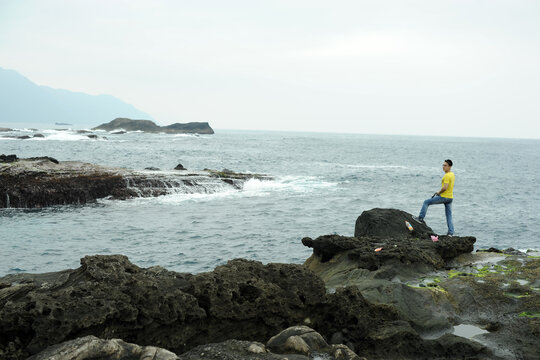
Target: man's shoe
point(418, 220)
point(449, 235)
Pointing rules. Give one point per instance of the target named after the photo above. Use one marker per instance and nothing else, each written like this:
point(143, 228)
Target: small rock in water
point(92, 136)
point(180, 167)
point(151, 168)
point(8, 158)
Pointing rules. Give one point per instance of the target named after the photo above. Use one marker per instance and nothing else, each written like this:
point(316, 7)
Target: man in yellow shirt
point(444, 196)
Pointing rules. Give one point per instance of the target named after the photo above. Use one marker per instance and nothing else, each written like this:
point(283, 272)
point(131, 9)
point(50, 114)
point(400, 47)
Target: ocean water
point(322, 183)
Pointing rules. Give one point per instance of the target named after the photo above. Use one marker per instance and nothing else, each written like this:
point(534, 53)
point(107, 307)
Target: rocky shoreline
point(44, 181)
point(384, 294)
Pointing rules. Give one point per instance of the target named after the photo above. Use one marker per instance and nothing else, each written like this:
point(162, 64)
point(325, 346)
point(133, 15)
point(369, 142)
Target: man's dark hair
point(449, 162)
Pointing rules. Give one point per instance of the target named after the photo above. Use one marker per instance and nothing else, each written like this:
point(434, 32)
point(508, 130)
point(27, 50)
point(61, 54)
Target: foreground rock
point(109, 297)
point(150, 126)
point(44, 181)
point(437, 288)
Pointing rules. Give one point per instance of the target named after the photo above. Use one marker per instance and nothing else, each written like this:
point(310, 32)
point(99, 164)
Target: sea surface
point(322, 183)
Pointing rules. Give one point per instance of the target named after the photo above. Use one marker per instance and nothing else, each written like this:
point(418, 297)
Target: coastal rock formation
point(44, 181)
point(150, 126)
point(436, 288)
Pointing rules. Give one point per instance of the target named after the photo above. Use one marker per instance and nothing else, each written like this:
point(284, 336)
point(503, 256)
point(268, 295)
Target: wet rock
point(43, 181)
point(83, 132)
point(2, 129)
point(23, 137)
point(180, 167)
point(151, 168)
point(92, 136)
point(509, 251)
point(91, 348)
point(39, 136)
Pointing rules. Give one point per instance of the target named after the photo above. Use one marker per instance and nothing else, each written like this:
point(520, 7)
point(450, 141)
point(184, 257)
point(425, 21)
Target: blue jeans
point(447, 208)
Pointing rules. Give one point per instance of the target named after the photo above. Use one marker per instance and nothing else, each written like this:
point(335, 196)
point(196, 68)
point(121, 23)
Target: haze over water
point(322, 183)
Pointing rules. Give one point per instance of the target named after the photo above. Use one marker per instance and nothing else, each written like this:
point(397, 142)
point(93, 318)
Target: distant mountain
point(25, 103)
point(150, 126)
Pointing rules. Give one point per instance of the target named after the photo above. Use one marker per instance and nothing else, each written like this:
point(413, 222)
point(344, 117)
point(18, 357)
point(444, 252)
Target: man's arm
point(444, 187)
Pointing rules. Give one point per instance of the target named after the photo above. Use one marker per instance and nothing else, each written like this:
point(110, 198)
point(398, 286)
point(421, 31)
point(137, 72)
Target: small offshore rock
point(8, 158)
point(39, 136)
point(92, 136)
point(180, 167)
point(151, 168)
point(23, 137)
point(5, 129)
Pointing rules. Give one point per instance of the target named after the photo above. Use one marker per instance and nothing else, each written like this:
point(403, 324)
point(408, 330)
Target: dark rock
point(83, 132)
point(150, 126)
point(108, 296)
point(23, 137)
point(236, 350)
point(5, 129)
point(39, 136)
point(151, 168)
point(8, 158)
point(180, 167)
point(92, 136)
point(389, 223)
point(395, 251)
point(509, 251)
point(46, 158)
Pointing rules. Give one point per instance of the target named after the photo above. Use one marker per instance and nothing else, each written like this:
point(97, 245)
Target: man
point(443, 196)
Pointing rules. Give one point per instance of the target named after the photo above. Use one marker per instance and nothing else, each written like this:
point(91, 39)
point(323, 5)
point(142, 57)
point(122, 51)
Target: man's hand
point(436, 194)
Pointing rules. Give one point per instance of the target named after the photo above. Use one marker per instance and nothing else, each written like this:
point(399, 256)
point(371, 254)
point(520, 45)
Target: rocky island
point(44, 181)
point(387, 293)
point(151, 127)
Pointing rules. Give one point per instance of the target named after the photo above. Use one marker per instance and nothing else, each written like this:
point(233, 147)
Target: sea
point(321, 183)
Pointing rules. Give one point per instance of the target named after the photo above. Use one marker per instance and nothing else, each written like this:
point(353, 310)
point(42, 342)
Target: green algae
point(530, 314)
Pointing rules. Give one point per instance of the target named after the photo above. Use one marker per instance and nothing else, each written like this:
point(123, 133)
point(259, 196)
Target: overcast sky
point(433, 67)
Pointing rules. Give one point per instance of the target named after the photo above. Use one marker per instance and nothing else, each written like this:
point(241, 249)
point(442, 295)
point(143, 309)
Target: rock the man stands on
point(444, 196)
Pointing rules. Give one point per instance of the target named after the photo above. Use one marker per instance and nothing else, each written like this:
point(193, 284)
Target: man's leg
point(448, 211)
point(434, 200)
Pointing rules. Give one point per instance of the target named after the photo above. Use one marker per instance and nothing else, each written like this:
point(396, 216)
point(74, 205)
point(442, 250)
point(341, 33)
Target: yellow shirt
point(448, 178)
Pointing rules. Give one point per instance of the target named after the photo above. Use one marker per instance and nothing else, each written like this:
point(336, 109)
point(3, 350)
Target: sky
point(418, 67)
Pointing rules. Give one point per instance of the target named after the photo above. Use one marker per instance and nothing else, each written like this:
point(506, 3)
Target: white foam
point(65, 136)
